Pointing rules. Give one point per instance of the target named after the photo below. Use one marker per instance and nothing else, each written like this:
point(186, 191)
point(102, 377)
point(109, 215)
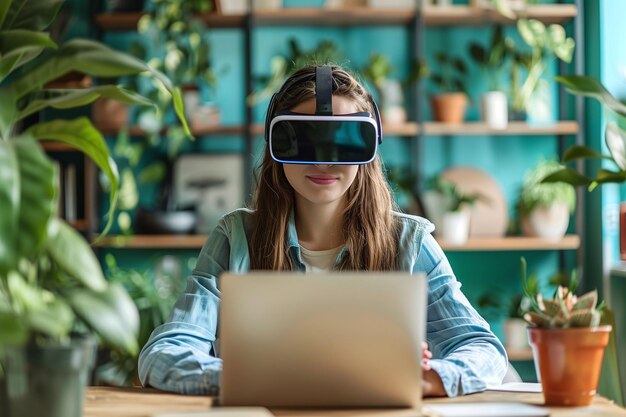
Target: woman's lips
point(322, 179)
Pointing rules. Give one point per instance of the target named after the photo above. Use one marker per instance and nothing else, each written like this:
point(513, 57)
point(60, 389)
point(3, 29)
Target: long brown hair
point(370, 229)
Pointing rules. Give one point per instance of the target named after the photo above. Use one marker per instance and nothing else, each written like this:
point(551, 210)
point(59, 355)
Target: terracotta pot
point(109, 114)
point(568, 362)
point(449, 107)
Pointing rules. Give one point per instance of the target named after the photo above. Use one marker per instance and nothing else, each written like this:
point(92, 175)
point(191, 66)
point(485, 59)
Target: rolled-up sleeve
point(180, 355)
point(466, 354)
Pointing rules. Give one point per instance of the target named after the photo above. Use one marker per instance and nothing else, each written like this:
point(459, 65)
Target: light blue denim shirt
point(181, 354)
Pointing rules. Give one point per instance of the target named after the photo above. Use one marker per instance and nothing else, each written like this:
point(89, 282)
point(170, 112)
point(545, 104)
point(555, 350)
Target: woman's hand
point(432, 384)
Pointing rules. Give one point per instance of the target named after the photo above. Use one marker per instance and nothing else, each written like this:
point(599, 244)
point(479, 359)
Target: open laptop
point(322, 340)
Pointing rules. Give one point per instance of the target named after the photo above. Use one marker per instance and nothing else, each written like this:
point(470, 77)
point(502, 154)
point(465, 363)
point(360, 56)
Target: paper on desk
point(517, 387)
point(221, 412)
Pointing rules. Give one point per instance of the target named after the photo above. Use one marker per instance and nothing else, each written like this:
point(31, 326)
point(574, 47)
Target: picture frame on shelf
point(212, 183)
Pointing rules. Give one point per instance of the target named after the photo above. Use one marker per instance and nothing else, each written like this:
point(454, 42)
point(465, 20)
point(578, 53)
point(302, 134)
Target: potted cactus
point(567, 341)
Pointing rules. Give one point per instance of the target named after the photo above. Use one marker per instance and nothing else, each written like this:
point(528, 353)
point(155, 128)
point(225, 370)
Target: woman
point(316, 217)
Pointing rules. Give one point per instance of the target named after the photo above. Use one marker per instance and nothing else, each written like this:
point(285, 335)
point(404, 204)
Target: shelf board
point(344, 16)
point(152, 241)
point(476, 244)
point(513, 243)
point(357, 16)
point(211, 130)
point(473, 16)
point(129, 20)
point(568, 127)
point(520, 354)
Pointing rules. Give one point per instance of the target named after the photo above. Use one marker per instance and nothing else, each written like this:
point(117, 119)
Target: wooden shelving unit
point(514, 243)
point(356, 16)
point(212, 130)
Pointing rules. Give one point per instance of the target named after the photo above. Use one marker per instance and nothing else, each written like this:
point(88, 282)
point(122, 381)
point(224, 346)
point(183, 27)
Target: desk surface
point(140, 402)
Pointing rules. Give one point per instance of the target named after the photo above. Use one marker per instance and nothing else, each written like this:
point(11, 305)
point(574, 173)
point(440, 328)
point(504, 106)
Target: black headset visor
point(313, 139)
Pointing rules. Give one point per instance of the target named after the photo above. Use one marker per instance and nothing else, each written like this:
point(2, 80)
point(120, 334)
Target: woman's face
point(322, 184)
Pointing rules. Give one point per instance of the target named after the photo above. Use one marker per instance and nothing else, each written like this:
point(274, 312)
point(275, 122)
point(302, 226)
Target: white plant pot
point(391, 4)
point(516, 334)
point(494, 109)
point(549, 223)
point(455, 227)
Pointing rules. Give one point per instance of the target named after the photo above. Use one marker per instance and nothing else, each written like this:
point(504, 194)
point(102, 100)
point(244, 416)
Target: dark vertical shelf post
point(579, 67)
point(416, 45)
point(248, 134)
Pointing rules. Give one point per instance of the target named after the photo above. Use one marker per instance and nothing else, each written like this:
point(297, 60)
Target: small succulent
point(565, 309)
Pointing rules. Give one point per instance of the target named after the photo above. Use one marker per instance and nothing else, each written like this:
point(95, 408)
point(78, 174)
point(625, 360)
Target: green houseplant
point(566, 327)
point(544, 208)
point(53, 296)
point(614, 135)
point(449, 104)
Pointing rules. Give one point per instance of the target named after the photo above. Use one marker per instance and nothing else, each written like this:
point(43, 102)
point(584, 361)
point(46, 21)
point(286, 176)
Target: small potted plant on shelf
point(449, 105)
point(391, 98)
point(567, 341)
point(450, 210)
point(54, 299)
point(493, 103)
point(545, 43)
point(544, 209)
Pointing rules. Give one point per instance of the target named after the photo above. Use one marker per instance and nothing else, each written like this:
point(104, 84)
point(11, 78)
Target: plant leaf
point(38, 177)
point(33, 15)
point(72, 254)
point(589, 86)
point(111, 314)
point(82, 135)
point(568, 175)
point(604, 176)
point(9, 205)
point(18, 47)
point(8, 111)
point(12, 329)
point(96, 59)
point(4, 9)
point(581, 152)
point(616, 142)
point(69, 98)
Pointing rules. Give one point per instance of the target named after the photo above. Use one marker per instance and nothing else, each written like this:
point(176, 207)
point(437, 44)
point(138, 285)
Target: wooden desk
point(140, 402)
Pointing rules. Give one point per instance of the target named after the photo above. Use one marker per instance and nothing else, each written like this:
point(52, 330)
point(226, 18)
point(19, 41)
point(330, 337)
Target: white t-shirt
point(319, 260)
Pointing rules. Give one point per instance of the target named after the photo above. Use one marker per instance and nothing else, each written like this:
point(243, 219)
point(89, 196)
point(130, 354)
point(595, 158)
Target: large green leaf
point(111, 314)
point(12, 330)
point(82, 135)
point(18, 47)
point(589, 86)
point(30, 14)
point(70, 98)
point(568, 175)
point(38, 178)
point(42, 311)
point(9, 205)
point(8, 112)
point(95, 59)
point(581, 152)
point(4, 9)
point(69, 250)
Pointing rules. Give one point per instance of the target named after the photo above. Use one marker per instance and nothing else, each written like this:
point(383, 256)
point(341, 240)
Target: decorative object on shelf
point(53, 296)
point(449, 105)
point(493, 103)
point(449, 209)
point(109, 114)
point(390, 95)
point(506, 8)
point(212, 183)
point(544, 209)
point(566, 327)
point(240, 7)
point(490, 215)
point(545, 42)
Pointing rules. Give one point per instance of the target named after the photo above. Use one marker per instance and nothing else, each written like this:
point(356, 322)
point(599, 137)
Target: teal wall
point(504, 158)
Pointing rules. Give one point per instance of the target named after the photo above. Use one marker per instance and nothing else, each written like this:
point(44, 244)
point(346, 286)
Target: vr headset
point(322, 138)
